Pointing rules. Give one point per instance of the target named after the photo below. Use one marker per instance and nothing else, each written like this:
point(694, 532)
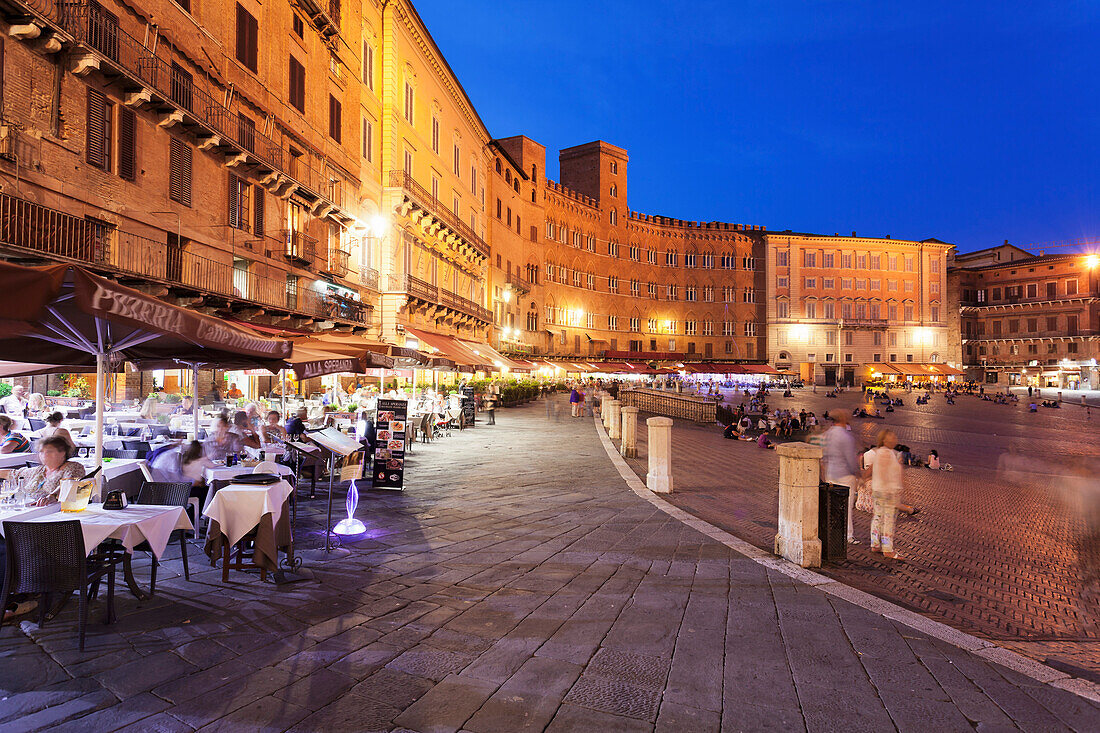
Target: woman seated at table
point(271, 431)
point(243, 430)
point(11, 441)
point(149, 407)
point(53, 429)
point(36, 405)
point(222, 442)
point(252, 412)
point(43, 482)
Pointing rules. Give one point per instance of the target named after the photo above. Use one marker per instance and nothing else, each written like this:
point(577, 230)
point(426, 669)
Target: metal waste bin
point(832, 521)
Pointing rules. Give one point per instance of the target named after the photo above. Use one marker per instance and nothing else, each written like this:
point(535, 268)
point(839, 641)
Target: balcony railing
point(300, 246)
point(519, 283)
point(368, 278)
point(39, 230)
point(338, 260)
point(164, 73)
point(401, 179)
point(429, 293)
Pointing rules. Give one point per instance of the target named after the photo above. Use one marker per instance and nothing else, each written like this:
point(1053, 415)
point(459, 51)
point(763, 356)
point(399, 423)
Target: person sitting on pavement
point(933, 460)
point(764, 442)
point(11, 441)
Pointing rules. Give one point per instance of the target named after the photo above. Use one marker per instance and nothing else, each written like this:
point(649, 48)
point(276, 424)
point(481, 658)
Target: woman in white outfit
point(885, 470)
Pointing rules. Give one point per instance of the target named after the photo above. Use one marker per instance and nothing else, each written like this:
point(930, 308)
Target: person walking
point(490, 404)
point(574, 402)
point(841, 463)
point(884, 467)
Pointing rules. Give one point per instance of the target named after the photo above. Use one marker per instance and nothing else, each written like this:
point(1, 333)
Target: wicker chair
point(49, 557)
point(166, 494)
point(120, 453)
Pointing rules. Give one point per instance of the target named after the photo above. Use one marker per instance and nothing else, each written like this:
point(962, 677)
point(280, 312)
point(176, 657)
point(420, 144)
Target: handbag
point(864, 502)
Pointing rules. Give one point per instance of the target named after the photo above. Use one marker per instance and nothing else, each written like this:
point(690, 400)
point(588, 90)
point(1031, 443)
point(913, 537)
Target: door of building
point(830, 376)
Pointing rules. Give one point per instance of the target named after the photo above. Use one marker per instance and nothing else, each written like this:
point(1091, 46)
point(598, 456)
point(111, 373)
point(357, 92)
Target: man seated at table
point(15, 404)
point(186, 407)
point(271, 431)
point(221, 442)
point(296, 426)
point(43, 482)
point(234, 393)
point(11, 441)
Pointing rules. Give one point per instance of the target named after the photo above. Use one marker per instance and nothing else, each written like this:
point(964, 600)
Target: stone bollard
point(604, 399)
point(659, 478)
point(629, 447)
point(614, 419)
point(799, 473)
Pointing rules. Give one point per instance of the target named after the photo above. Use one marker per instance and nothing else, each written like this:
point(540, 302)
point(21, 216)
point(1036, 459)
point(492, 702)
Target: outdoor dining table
point(133, 525)
point(237, 509)
point(223, 473)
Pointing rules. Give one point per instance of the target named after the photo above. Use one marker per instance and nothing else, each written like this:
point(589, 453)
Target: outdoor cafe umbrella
point(65, 314)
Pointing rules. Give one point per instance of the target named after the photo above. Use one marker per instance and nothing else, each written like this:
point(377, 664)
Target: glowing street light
point(1092, 261)
point(379, 225)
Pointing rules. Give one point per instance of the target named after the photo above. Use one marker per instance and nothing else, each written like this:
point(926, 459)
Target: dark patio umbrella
point(64, 314)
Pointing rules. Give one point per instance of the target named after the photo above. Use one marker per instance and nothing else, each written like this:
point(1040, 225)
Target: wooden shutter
point(334, 126)
point(297, 85)
point(127, 144)
point(97, 129)
point(179, 172)
point(234, 202)
point(258, 213)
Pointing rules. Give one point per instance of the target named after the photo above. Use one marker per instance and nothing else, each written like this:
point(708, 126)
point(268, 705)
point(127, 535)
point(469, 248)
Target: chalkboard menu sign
point(468, 405)
point(389, 446)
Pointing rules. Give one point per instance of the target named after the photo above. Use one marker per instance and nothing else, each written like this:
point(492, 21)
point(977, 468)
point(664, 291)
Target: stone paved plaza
point(517, 584)
point(999, 548)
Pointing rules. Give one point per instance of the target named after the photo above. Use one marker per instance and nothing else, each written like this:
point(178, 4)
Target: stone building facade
point(1029, 320)
point(837, 305)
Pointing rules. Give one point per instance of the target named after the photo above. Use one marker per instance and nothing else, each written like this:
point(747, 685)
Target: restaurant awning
point(308, 363)
point(65, 314)
point(612, 367)
point(947, 371)
point(713, 368)
point(451, 348)
point(881, 368)
point(498, 360)
point(759, 369)
point(21, 369)
point(369, 353)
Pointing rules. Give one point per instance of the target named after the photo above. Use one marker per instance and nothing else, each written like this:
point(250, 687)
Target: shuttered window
point(99, 130)
point(258, 212)
point(297, 85)
point(239, 190)
point(368, 140)
point(181, 86)
point(248, 38)
point(246, 131)
point(179, 172)
point(334, 126)
point(127, 144)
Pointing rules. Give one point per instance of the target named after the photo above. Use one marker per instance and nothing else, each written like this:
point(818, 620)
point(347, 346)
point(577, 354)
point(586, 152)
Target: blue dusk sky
point(972, 122)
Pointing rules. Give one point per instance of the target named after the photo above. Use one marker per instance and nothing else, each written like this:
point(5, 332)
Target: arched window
point(508, 175)
point(614, 217)
point(534, 174)
point(498, 165)
point(515, 185)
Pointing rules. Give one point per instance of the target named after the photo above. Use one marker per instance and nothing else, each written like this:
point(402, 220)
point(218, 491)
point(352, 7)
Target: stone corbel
point(25, 31)
point(85, 63)
point(52, 45)
point(209, 143)
point(171, 119)
point(271, 180)
point(234, 161)
point(137, 99)
point(403, 208)
point(249, 312)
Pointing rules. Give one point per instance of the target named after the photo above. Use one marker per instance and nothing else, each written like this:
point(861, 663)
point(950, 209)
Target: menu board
point(469, 409)
point(389, 445)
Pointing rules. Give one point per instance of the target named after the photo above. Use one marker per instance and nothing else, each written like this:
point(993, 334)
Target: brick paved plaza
point(997, 549)
point(517, 584)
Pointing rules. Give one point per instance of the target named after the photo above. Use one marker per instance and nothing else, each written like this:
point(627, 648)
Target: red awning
point(714, 368)
point(453, 349)
point(759, 369)
point(497, 359)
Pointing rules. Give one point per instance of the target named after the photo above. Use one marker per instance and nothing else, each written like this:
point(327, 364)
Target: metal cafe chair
point(47, 558)
point(160, 493)
point(112, 453)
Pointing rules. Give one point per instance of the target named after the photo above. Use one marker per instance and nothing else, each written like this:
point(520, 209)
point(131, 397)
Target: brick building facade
point(1029, 320)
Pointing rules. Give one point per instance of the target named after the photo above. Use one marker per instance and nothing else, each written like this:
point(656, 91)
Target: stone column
point(604, 399)
point(659, 478)
point(629, 447)
point(799, 472)
point(614, 419)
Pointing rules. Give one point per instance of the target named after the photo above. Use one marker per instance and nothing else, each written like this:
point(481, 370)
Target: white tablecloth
point(238, 507)
point(212, 474)
point(17, 460)
point(22, 514)
point(132, 525)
